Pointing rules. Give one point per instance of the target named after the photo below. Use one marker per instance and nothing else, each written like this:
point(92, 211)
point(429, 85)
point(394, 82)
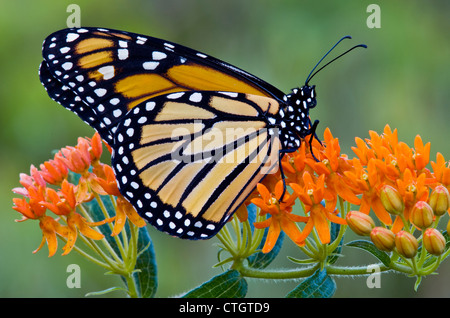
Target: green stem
point(285, 274)
point(131, 284)
point(308, 271)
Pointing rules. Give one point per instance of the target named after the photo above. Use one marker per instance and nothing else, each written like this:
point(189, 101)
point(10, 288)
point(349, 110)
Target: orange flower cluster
point(48, 189)
point(382, 161)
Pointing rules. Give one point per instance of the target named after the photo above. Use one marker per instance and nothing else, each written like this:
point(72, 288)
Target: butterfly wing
point(188, 160)
point(157, 103)
point(112, 71)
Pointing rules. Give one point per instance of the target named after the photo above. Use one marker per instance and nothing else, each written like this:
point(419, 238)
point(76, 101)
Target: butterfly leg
point(312, 133)
point(281, 153)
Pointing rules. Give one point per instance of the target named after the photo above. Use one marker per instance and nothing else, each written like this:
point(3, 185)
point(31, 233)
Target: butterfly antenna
point(356, 46)
point(309, 76)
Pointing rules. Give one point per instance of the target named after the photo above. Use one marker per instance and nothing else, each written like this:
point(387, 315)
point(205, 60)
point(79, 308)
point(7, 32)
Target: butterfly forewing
point(187, 162)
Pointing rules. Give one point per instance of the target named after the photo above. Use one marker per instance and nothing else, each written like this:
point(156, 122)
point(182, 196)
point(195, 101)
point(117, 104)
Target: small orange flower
point(96, 148)
point(77, 159)
point(57, 204)
point(63, 200)
point(54, 171)
point(75, 223)
point(422, 153)
point(50, 227)
point(107, 184)
point(312, 194)
point(441, 170)
point(368, 181)
point(125, 210)
point(280, 212)
point(412, 189)
point(333, 167)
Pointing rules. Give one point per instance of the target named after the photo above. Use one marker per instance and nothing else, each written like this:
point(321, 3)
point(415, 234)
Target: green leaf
point(226, 285)
point(319, 285)
point(146, 275)
point(372, 249)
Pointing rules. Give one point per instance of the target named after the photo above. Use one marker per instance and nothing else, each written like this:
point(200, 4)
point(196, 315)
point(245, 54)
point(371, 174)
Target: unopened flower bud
point(360, 222)
point(384, 239)
point(440, 200)
point(392, 200)
point(422, 215)
point(434, 241)
point(406, 244)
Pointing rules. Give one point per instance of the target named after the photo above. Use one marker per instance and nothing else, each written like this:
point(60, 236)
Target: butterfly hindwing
point(188, 160)
point(112, 71)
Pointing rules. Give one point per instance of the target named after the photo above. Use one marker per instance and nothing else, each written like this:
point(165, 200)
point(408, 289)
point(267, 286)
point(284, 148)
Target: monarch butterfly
point(156, 103)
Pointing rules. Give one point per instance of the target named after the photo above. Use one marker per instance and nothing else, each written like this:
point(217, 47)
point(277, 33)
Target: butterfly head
point(303, 99)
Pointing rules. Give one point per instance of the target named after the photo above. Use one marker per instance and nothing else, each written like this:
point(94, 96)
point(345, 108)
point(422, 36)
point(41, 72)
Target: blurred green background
point(402, 79)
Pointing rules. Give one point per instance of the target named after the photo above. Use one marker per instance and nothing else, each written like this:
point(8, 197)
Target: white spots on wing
point(156, 55)
point(178, 215)
point(130, 132)
point(195, 97)
point(142, 120)
point(201, 55)
point(150, 106)
point(230, 94)
point(100, 92)
point(107, 72)
point(114, 101)
point(123, 44)
point(141, 40)
point(175, 95)
point(123, 54)
point(117, 113)
point(64, 50)
point(72, 37)
point(150, 65)
point(127, 122)
point(67, 66)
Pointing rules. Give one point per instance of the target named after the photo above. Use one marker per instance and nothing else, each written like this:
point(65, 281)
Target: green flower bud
point(434, 241)
point(422, 215)
point(406, 244)
point(360, 223)
point(392, 200)
point(440, 200)
point(383, 238)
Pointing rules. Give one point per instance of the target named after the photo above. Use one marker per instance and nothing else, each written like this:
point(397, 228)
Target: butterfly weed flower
point(312, 194)
point(281, 218)
point(66, 186)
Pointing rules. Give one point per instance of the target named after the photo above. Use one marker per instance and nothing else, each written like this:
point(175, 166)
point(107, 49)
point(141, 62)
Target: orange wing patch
point(204, 78)
point(93, 44)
